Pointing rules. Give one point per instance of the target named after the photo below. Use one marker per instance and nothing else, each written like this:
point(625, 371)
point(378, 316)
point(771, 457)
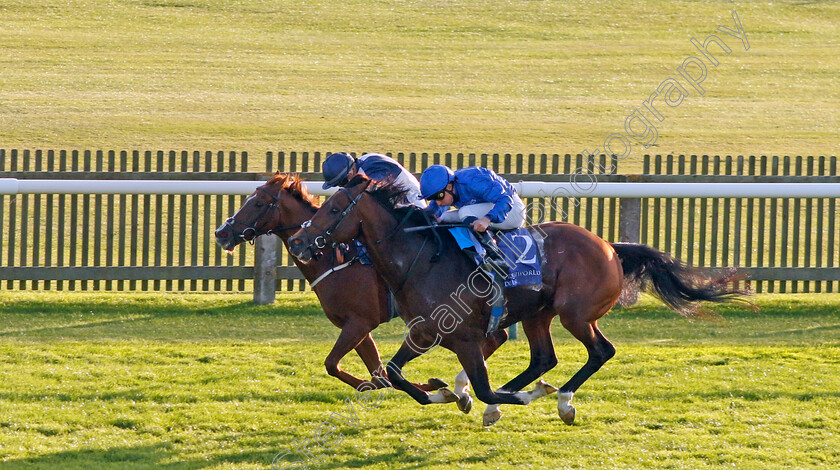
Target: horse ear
point(277, 173)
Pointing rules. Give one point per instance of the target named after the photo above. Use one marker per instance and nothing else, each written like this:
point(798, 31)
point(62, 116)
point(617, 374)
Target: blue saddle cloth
point(518, 248)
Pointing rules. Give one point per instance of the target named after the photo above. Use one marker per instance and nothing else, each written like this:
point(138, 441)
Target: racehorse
point(279, 207)
point(447, 302)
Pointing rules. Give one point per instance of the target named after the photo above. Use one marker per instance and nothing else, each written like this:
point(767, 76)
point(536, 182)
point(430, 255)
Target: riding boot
point(494, 258)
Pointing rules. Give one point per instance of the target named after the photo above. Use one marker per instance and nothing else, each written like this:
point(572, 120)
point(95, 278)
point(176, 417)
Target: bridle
point(322, 241)
point(250, 233)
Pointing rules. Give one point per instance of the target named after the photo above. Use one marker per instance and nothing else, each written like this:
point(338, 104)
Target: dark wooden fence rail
point(792, 243)
point(154, 242)
point(119, 241)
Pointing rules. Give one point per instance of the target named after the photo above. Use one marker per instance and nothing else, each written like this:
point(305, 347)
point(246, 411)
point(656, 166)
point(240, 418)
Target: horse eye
point(259, 204)
point(334, 210)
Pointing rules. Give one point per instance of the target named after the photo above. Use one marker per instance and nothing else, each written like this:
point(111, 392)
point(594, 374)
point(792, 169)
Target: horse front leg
point(462, 381)
point(394, 369)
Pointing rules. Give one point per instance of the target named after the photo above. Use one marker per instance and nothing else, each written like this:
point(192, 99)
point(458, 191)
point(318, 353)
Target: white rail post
point(265, 269)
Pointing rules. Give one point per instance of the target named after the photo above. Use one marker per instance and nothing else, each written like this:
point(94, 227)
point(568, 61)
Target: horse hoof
point(465, 403)
point(567, 414)
point(448, 395)
point(492, 417)
point(547, 388)
point(437, 383)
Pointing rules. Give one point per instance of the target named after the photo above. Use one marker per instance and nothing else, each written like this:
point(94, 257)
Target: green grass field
point(210, 381)
point(478, 76)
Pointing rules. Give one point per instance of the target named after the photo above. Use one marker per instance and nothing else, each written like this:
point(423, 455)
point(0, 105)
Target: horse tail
point(680, 286)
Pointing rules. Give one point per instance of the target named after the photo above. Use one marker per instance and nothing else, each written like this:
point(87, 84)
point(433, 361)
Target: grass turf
point(211, 381)
point(364, 75)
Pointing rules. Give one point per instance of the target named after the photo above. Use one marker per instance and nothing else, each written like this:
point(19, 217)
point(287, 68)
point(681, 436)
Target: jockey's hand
point(481, 224)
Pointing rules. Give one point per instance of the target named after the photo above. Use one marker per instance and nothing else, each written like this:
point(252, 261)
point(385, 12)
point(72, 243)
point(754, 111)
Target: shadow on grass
point(155, 456)
point(78, 326)
point(161, 393)
point(160, 317)
point(800, 331)
point(407, 458)
point(142, 305)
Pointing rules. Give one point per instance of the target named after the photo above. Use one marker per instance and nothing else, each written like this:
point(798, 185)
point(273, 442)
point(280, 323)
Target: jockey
point(339, 168)
point(479, 194)
point(483, 199)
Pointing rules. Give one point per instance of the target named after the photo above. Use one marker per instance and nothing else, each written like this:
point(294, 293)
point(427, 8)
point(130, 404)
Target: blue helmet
point(336, 167)
point(434, 179)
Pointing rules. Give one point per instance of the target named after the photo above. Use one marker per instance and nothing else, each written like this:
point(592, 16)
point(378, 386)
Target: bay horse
point(447, 302)
point(279, 207)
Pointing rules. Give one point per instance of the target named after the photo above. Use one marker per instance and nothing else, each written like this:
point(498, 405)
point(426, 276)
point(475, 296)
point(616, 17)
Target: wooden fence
point(155, 242)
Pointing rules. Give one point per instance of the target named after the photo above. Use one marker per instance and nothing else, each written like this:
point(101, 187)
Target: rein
point(330, 271)
point(436, 256)
point(321, 241)
point(399, 225)
point(402, 222)
point(411, 266)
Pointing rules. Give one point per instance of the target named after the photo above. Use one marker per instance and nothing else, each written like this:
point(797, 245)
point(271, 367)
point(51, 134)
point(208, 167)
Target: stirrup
point(494, 257)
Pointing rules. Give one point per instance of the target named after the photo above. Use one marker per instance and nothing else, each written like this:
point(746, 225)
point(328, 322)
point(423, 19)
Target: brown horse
point(446, 302)
point(279, 207)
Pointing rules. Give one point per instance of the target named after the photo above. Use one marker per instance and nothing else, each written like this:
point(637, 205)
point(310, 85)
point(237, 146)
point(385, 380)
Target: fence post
point(265, 269)
point(629, 220)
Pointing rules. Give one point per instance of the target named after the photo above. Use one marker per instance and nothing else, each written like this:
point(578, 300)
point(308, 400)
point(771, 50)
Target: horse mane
point(389, 194)
point(292, 183)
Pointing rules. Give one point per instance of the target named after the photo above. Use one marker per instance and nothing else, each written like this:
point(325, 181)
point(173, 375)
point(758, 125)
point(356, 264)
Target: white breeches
point(514, 219)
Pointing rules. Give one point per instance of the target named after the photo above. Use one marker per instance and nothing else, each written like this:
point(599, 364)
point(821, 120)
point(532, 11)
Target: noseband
point(250, 233)
point(322, 241)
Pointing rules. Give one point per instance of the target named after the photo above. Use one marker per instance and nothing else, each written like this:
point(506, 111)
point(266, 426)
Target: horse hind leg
point(600, 350)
